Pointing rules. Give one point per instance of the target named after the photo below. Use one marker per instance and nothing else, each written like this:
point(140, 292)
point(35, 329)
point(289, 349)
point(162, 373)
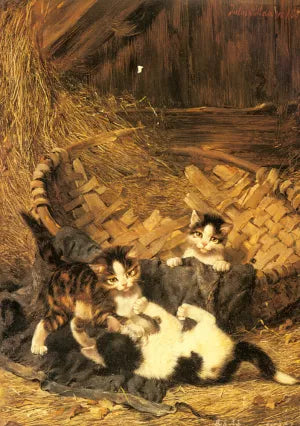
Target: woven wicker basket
point(263, 208)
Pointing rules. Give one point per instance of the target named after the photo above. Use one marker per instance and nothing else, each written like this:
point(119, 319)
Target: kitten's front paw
point(182, 311)
point(134, 331)
point(221, 266)
point(39, 349)
point(140, 305)
point(195, 313)
point(174, 261)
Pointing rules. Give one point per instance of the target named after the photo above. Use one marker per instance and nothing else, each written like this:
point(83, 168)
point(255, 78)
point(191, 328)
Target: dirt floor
point(248, 400)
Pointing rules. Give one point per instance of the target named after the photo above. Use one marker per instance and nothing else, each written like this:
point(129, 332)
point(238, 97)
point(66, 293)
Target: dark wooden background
point(194, 52)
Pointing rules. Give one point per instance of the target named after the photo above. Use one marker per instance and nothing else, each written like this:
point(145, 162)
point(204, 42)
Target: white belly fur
point(125, 301)
point(212, 344)
point(162, 350)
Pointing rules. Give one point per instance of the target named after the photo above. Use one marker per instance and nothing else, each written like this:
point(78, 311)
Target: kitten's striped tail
point(43, 239)
point(245, 351)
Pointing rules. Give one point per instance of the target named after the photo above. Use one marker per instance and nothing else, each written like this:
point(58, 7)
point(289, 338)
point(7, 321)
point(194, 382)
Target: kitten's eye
point(112, 280)
point(198, 234)
point(214, 240)
point(132, 273)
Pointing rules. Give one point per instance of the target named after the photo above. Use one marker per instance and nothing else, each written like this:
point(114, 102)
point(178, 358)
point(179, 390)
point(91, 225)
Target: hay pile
point(39, 111)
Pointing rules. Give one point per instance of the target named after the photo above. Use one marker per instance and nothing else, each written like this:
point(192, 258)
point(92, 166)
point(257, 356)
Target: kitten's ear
point(226, 228)
point(195, 218)
point(99, 265)
point(128, 250)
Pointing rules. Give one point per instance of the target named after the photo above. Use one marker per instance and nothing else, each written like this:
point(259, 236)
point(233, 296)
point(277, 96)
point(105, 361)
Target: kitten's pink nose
point(204, 244)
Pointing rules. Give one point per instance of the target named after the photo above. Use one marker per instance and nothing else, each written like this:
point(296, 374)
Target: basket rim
point(51, 161)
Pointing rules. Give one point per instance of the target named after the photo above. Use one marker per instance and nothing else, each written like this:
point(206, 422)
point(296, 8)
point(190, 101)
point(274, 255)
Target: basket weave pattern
point(262, 207)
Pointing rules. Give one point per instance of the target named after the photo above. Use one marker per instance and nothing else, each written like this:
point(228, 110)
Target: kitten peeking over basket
point(206, 241)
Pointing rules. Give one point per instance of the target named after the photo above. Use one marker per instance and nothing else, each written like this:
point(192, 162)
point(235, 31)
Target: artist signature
point(263, 12)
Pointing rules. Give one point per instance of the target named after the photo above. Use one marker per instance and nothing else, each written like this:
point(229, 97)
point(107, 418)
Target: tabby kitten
point(86, 294)
point(74, 291)
point(206, 241)
point(97, 294)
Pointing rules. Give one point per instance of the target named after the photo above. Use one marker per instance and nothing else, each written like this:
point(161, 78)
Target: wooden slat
point(99, 235)
point(195, 202)
point(200, 181)
point(94, 202)
point(114, 227)
point(152, 221)
point(73, 204)
point(175, 241)
point(84, 220)
point(243, 218)
point(126, 238)
point(155, 247)
point(234, 180)
point(164, 229)
point(103, 215)
point(78, 168)
point(86, 187)
point(273, 252)
point(240, 186)
point(129, 217)
point(138, 228)
point(226, 172)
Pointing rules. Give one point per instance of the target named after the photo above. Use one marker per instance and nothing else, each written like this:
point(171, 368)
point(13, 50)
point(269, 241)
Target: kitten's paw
point(174, 261)
point(134, 331)
point(182, 311)
point(221, 266)
point(39, 349)
point(140, 305)
point(195, 313)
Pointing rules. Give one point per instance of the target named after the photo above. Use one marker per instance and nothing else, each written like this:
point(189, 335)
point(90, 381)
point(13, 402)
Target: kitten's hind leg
point(194, 312)
point(93, 354)
point(54, 319)
point(80, 335)
point(38, 340)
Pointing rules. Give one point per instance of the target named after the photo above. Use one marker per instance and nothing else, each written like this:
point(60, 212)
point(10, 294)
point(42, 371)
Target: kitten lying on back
point(201, 356)
point(206, 241)
point(205, 354)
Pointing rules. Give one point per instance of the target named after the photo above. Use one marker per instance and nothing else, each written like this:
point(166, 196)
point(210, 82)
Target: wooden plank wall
point(204, 52)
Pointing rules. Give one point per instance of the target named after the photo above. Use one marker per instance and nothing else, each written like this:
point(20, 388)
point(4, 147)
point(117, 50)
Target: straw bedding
point(248, 399)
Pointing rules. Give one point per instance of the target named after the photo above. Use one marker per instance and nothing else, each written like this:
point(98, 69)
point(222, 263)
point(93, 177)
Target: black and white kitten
point(206, 241)
point(202, 355)
point(209, 353)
